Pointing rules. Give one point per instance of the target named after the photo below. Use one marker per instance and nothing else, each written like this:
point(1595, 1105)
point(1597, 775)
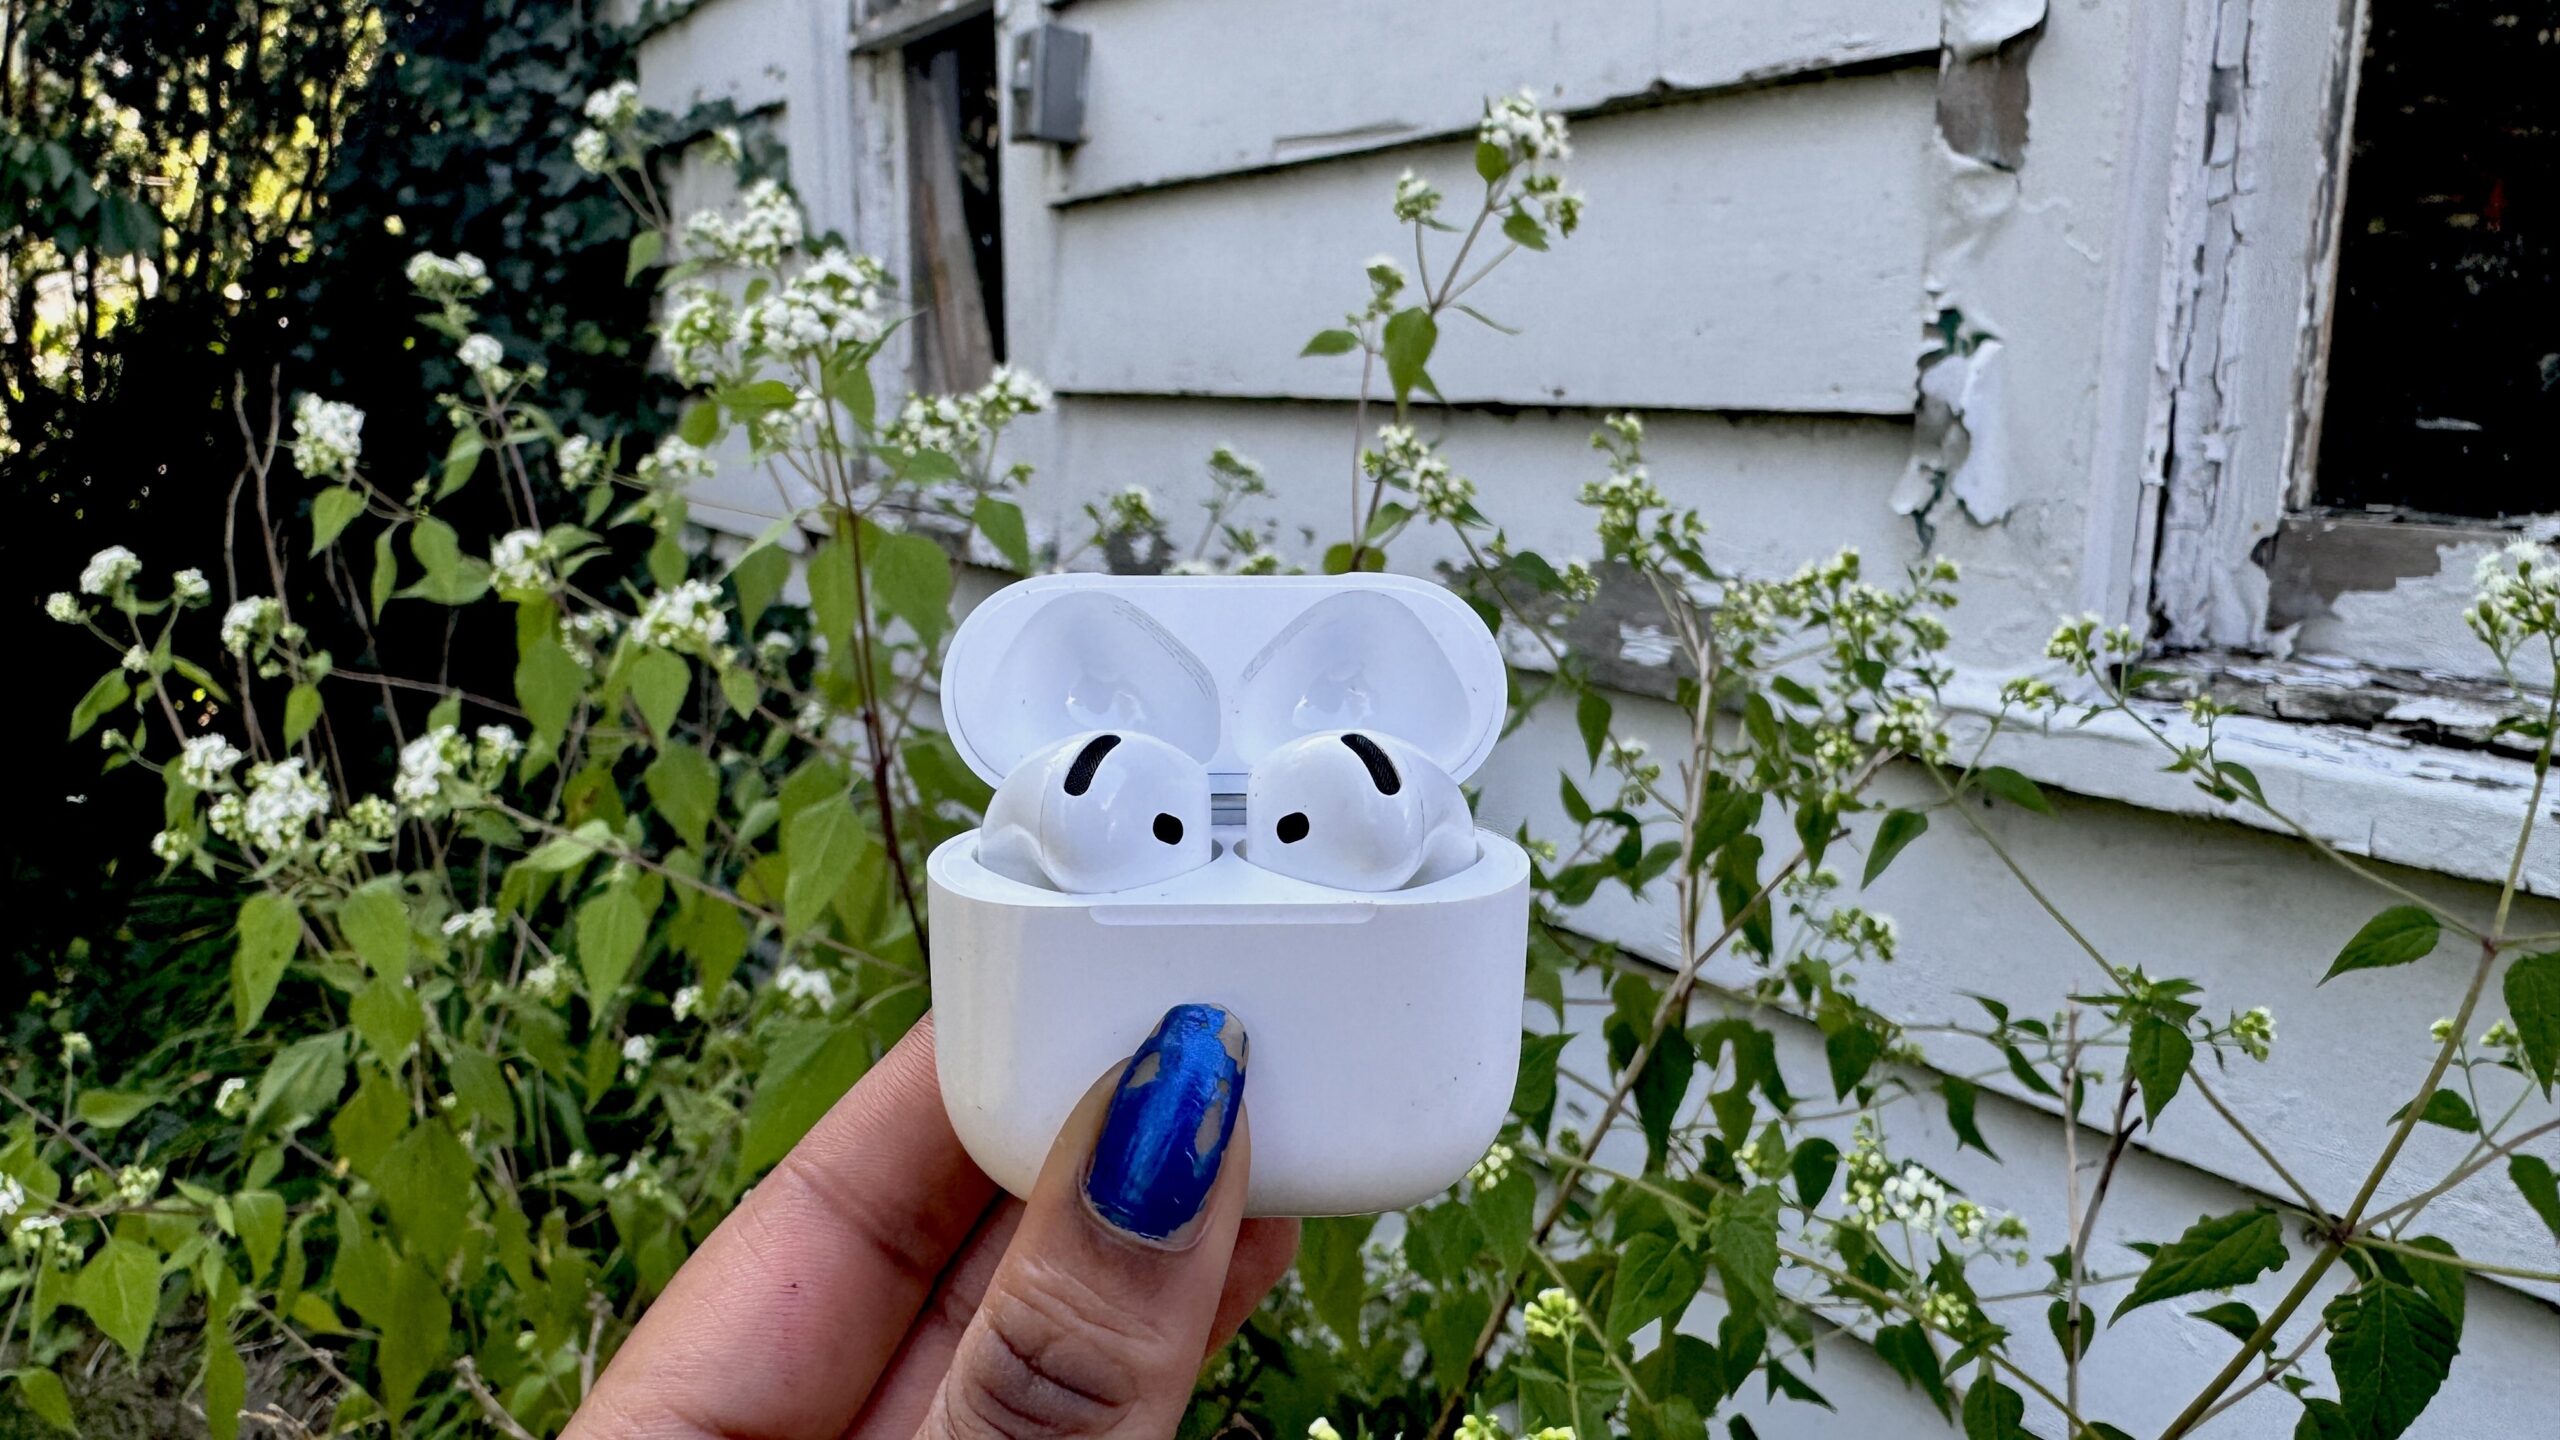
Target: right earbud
point(1356, 811)
point(1099, 812)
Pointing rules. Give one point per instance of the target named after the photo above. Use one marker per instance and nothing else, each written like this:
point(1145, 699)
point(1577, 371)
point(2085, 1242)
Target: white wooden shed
point(2132, 212)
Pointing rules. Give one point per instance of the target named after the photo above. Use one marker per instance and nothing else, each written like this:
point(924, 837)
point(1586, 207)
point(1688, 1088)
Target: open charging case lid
point(1225, 667)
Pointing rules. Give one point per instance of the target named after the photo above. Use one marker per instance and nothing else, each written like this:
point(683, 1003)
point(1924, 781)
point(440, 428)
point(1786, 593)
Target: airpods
point(1356, 811)
point(1098, 812)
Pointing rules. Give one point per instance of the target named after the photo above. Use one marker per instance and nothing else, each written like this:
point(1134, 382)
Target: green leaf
point(833, 595)
point(1657, 1278)
point(257, 1217)
point(2057, 1318)
point(451, 578)
point(1338, 558)
point(806, 1072)
point(1898, 829)
point(711, 933)
point(1001, 522)
point(41, 1391)
point(2395, 937)
point(700, 424)
point(646, 246)
point(2216, 1253)
point(375, 920)
point(461, 459)
point(1329, 1265)
point(480, 1086)
point(1906, 1349)
point(611, 927)
point(2158, 1055)
point(1961, 1095)
point(302, 1081)
point(1993, 1411)
point(821, 844)
point(386, 570)
point(911, 579)
point(2236, 1318)
point(1742, 1233)
point(406, 1305)
point(270, 930)
point(364, 1129)
point(120, 1290)
point(1331, 342)
point(659, 681)
point(549, 681)
point(1492, 161)
point(759, 575)
point(1410, 335)
point(387, 1014)
point(301, 711)
point(2533, 1000)
point(2013, 787)
point(331, 512)
point(426, 1184)
point(108, 1109)
point(1591, 715)
point(1507, 1212)
point(685, 786)
point(1813, 1166)
point(2541, 1189)
point(1522, 229)
point(2390, 1348)
point(226, 1383)
point(110, 692)
point(2447, 1109)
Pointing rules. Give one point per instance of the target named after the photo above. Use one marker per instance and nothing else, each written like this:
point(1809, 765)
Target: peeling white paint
point(1975, 28)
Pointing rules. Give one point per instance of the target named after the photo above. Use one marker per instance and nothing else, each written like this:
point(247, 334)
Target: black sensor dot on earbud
point(1168, 828)
point(1292, 827)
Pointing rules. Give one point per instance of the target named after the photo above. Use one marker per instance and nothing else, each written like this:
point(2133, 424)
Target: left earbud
point(1099, 812)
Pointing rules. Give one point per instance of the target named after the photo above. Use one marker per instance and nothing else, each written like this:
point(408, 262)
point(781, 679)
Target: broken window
point(954, 147)
point(2444, 362)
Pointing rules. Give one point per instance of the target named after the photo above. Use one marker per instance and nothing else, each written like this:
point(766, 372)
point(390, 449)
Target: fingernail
point(1171, 1115)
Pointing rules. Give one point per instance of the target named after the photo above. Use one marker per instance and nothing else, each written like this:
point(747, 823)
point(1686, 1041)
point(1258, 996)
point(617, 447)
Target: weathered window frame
point(2247, 573)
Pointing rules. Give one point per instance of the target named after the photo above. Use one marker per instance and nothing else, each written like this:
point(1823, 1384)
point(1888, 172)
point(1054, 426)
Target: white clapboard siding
point(1180, 89)
point(741, 51)
point(1761, 476)
point(1754, 251)
point(2252, 917)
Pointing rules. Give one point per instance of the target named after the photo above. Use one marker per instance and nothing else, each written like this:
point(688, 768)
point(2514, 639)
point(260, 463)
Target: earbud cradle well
point(1385, 1025)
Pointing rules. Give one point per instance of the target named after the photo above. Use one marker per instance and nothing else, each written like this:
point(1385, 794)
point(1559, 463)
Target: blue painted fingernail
point(1170, 1118)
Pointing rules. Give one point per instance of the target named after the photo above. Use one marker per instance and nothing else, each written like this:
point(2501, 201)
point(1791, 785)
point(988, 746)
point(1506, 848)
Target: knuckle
point(1049, 1358)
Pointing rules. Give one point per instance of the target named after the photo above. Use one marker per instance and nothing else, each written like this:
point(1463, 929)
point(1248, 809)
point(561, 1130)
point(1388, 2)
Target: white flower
point(189, 587)
point(249, 622)
point(481, 354)
point(674, 464)
point(473, 925)
point(173, 845)
point(232, 1100)
point(136, 659)
point(699, 328)
point(766, 225)
point(728, 145)
point(2254, 1032)
point(64, 606)
point(12, 1196)
point(688, 1000)
point(136, 1184)
point(205, 761)
point(328, 438)
point(493, 747)
point(428, 765)
point(615, 107)
point(685, 618)
point(547, 981)
point(1322, 1429)
point(1553, 1313)
point(582, 462)
point(807, 985)
point(282, 803)
point(1132, 508)
point(461, 278)
point(109, 571)
point(834, 301)
point(637, 1049)
point(1489, 1171)
point(75, 1044)
point(1521, 131)
point(33, 1231)
point(1416, 198)
point(1008, 389)
point(1477, 1427)
point(519, 563)
point(591, 150)
point(373, 818)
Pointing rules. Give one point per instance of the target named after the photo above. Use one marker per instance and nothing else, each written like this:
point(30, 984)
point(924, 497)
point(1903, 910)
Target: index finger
point(781, 1323)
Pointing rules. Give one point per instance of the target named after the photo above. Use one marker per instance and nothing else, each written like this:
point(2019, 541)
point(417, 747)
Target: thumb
point(1096, 1320)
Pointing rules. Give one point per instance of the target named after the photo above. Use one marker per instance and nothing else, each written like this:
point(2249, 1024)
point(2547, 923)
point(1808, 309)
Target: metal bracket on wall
point(1049, 64)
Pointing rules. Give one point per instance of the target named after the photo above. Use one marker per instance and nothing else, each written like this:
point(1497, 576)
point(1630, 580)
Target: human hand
point(877, 1284)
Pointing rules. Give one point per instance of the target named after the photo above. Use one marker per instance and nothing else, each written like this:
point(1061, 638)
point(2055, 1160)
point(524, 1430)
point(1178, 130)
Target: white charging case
point(1385, 1027)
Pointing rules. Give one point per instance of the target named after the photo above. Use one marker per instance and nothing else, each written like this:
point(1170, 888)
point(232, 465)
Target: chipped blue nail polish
point(1170, 1118)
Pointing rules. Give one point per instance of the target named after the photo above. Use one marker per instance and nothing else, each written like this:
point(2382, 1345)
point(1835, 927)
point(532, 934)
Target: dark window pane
point(2445, 356)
